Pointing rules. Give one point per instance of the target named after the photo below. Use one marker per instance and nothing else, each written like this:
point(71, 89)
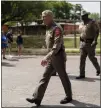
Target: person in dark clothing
point(19, 42)
point(88, 41)
point(10, 40)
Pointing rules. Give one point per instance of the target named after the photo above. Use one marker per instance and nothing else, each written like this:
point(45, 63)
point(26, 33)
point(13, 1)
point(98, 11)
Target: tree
point(6, 11)
point(61, 9)
point(95, 16)
point(76, 12)
point(21, 10)
point(31, 10)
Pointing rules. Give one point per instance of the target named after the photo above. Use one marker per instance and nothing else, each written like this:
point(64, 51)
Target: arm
point(11, 38)
point(96, 29)
point(57, 43)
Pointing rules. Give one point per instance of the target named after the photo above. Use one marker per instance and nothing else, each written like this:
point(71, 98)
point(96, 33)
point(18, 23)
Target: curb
point(44, 51)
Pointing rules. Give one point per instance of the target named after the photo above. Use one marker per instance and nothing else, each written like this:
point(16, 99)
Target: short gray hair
point(47, 12)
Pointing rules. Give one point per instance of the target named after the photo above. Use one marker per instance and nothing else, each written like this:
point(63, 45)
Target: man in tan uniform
point(88, 41)
point(54, 60)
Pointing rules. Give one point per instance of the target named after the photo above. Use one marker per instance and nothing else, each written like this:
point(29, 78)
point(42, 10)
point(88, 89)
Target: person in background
point(3, 44)
point(19, 42)
point(10, 40)
point(88, 41)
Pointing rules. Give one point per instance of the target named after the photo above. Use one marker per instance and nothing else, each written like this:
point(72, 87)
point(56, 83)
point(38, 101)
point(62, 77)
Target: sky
point(90, 6)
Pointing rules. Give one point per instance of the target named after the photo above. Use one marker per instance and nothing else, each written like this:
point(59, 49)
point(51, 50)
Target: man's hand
point(44, 62)
point(94, 43)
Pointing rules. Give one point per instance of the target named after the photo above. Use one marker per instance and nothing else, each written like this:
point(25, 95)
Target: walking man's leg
point(40, 90)
point(54, 73)
point(83, 55)
point(93, 59)
point(59, 66)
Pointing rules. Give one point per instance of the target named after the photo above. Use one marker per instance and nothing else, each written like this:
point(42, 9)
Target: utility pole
point(75, 41)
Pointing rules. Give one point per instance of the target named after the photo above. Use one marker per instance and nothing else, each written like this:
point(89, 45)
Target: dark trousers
point(88, 50)
point(57, 63)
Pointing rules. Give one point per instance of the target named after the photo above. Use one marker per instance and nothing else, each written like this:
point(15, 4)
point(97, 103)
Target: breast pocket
point(49, 40)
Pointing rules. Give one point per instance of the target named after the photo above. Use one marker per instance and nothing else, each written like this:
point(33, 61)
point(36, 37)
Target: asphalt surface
point(21, 75)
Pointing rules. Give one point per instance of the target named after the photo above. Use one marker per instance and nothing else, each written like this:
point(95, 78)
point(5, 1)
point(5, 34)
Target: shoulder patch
point(57, 31)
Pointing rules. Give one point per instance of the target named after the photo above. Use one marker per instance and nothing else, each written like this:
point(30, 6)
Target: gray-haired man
point(54, 60)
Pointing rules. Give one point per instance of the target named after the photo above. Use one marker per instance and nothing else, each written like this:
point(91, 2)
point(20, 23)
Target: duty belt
point(86, 40)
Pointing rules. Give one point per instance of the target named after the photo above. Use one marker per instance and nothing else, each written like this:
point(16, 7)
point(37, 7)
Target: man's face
point(47, 19)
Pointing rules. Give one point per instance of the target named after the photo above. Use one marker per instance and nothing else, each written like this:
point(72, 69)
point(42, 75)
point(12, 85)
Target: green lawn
point(31, 42)
point(69, 43)
point(38, 42)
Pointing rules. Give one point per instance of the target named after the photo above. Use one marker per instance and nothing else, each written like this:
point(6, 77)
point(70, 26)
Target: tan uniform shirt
point(89, 31)
point(54, 40)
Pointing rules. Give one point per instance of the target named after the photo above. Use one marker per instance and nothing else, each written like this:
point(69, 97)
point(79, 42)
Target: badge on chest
point(49, 38)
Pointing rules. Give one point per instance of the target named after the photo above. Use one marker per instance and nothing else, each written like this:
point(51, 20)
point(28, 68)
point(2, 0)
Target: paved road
point(20, 76)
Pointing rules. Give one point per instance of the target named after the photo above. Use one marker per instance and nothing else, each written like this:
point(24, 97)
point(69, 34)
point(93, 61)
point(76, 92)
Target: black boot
point(33, 100)
point(80, 77)
point(97, 73)
point(66, 100)
point(4, 58)
point(54, 74)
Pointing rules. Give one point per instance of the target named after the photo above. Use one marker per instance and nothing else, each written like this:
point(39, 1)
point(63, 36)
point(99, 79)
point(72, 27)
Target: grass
point(38, 42)
point(69, 43)
point(33, 42)
point(77, 51)
point(40, 52)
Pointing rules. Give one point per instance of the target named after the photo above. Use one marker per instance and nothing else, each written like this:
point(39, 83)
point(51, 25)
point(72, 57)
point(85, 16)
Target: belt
point(86, 40)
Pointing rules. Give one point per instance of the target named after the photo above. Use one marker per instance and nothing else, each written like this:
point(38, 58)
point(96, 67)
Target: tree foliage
point(94, 16)
point(23, 11)
point(76, 11)
point(61, 9)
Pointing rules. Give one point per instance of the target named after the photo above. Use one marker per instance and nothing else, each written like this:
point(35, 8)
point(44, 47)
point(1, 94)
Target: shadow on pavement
point(13, 59)
point(89, 79)
point(82, 104)
point(24, 57)
point(50, 106)
point(7, 64)
point(74, 102)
